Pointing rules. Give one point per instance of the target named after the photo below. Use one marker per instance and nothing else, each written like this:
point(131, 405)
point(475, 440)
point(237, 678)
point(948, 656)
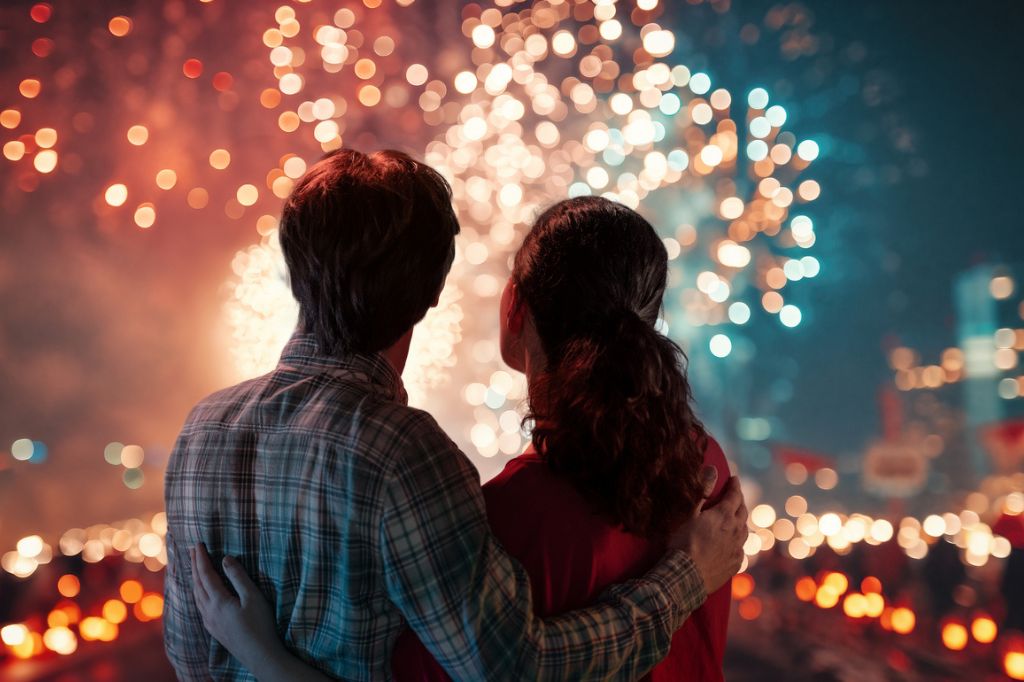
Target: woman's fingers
point(241, 581)
point(212, 584)
point(199, 595)
point(197, 583)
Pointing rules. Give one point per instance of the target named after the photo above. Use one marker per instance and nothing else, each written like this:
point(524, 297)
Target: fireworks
point(222, 108)
point(521, 104)
point(538, 104)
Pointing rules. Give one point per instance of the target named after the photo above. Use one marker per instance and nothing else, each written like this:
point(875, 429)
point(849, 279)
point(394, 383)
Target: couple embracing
point(354, 535)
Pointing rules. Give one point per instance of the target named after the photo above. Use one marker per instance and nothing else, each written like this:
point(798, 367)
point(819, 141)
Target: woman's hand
point(244, 625)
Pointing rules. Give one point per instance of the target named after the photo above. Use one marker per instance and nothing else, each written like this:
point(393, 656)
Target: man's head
point(368, 239)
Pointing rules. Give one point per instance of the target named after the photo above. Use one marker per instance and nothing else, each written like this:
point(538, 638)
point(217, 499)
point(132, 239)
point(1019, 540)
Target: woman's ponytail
point(612, 407)
point(616, 421)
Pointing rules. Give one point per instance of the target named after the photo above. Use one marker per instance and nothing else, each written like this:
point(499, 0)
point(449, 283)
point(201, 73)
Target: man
point(354, 513)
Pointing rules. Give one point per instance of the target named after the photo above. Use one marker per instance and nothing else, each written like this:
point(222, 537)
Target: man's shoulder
point(216, 406)
point(410, 425)
point(335, 413)
point(319, 405)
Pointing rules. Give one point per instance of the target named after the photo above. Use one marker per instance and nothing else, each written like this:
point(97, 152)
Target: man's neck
point(398, 353)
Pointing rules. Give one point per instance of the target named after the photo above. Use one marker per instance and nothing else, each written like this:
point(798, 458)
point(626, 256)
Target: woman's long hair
point(612, 407)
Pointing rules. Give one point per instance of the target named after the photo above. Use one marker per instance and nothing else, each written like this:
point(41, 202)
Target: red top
point(572, 555)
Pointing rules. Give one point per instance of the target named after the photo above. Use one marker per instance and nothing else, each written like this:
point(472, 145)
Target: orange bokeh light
point(131, 591)
point(120, 26)
point(742, 586)
point(72, 611)
point(115, 611)
point(68, 586)
point(826, 597)
point(984, 629)
point(871, 585)
point(365, 68)
point(270, 98)
point(31, 645)
point(29, 88)
point(1013, 664)
point(837, 581)
point(750, 608)
point(288, 121)
point(855, 605)
point(91, 628)
point(369, 95)
point(110, 631)
point(57, 619)
point(806, 588)
point(10, 118)
point(874, 604)
point(903, 620)
point(954, 636)
point(149, 607)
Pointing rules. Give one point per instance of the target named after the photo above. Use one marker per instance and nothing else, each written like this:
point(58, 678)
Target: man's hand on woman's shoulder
point(714, 537)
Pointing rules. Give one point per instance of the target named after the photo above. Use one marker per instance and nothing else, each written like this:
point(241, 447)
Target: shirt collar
point(302, 353)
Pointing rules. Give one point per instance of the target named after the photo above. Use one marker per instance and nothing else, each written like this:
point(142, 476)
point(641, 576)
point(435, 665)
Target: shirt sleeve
point(469, 602)
point(185, 639)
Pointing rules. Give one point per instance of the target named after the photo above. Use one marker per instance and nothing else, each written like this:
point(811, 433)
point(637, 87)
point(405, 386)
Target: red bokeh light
point(222, 81)
point(41, 13)
point(192, 68)
point(42, 47)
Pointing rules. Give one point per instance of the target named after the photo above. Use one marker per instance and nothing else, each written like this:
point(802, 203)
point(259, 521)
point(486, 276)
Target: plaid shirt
point(356, 515)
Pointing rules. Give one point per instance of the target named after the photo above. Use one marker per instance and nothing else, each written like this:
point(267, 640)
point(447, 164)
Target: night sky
point(953, 65)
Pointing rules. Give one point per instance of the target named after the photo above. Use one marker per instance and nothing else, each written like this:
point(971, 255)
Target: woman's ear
point(516, 312)
point(512, 317)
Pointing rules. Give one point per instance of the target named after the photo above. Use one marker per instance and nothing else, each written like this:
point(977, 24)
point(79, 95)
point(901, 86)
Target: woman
point(617, 450)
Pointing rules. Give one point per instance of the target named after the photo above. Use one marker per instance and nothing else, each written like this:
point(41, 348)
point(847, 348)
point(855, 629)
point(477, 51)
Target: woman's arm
point(244, 625)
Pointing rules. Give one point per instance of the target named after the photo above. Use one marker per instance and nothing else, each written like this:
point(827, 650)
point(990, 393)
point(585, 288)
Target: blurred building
point(989, 320)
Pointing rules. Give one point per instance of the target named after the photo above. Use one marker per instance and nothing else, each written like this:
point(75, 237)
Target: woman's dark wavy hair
point(613, 406)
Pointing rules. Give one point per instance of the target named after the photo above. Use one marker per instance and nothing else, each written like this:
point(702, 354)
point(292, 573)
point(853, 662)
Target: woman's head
point(608, 392)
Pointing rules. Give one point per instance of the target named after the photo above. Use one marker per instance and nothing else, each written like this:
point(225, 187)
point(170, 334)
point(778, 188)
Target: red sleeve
point(719, 603)
point(698, 647)
point(411, 662)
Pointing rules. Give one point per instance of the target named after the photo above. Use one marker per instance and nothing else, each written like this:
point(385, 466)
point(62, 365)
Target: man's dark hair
point(368, 239)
